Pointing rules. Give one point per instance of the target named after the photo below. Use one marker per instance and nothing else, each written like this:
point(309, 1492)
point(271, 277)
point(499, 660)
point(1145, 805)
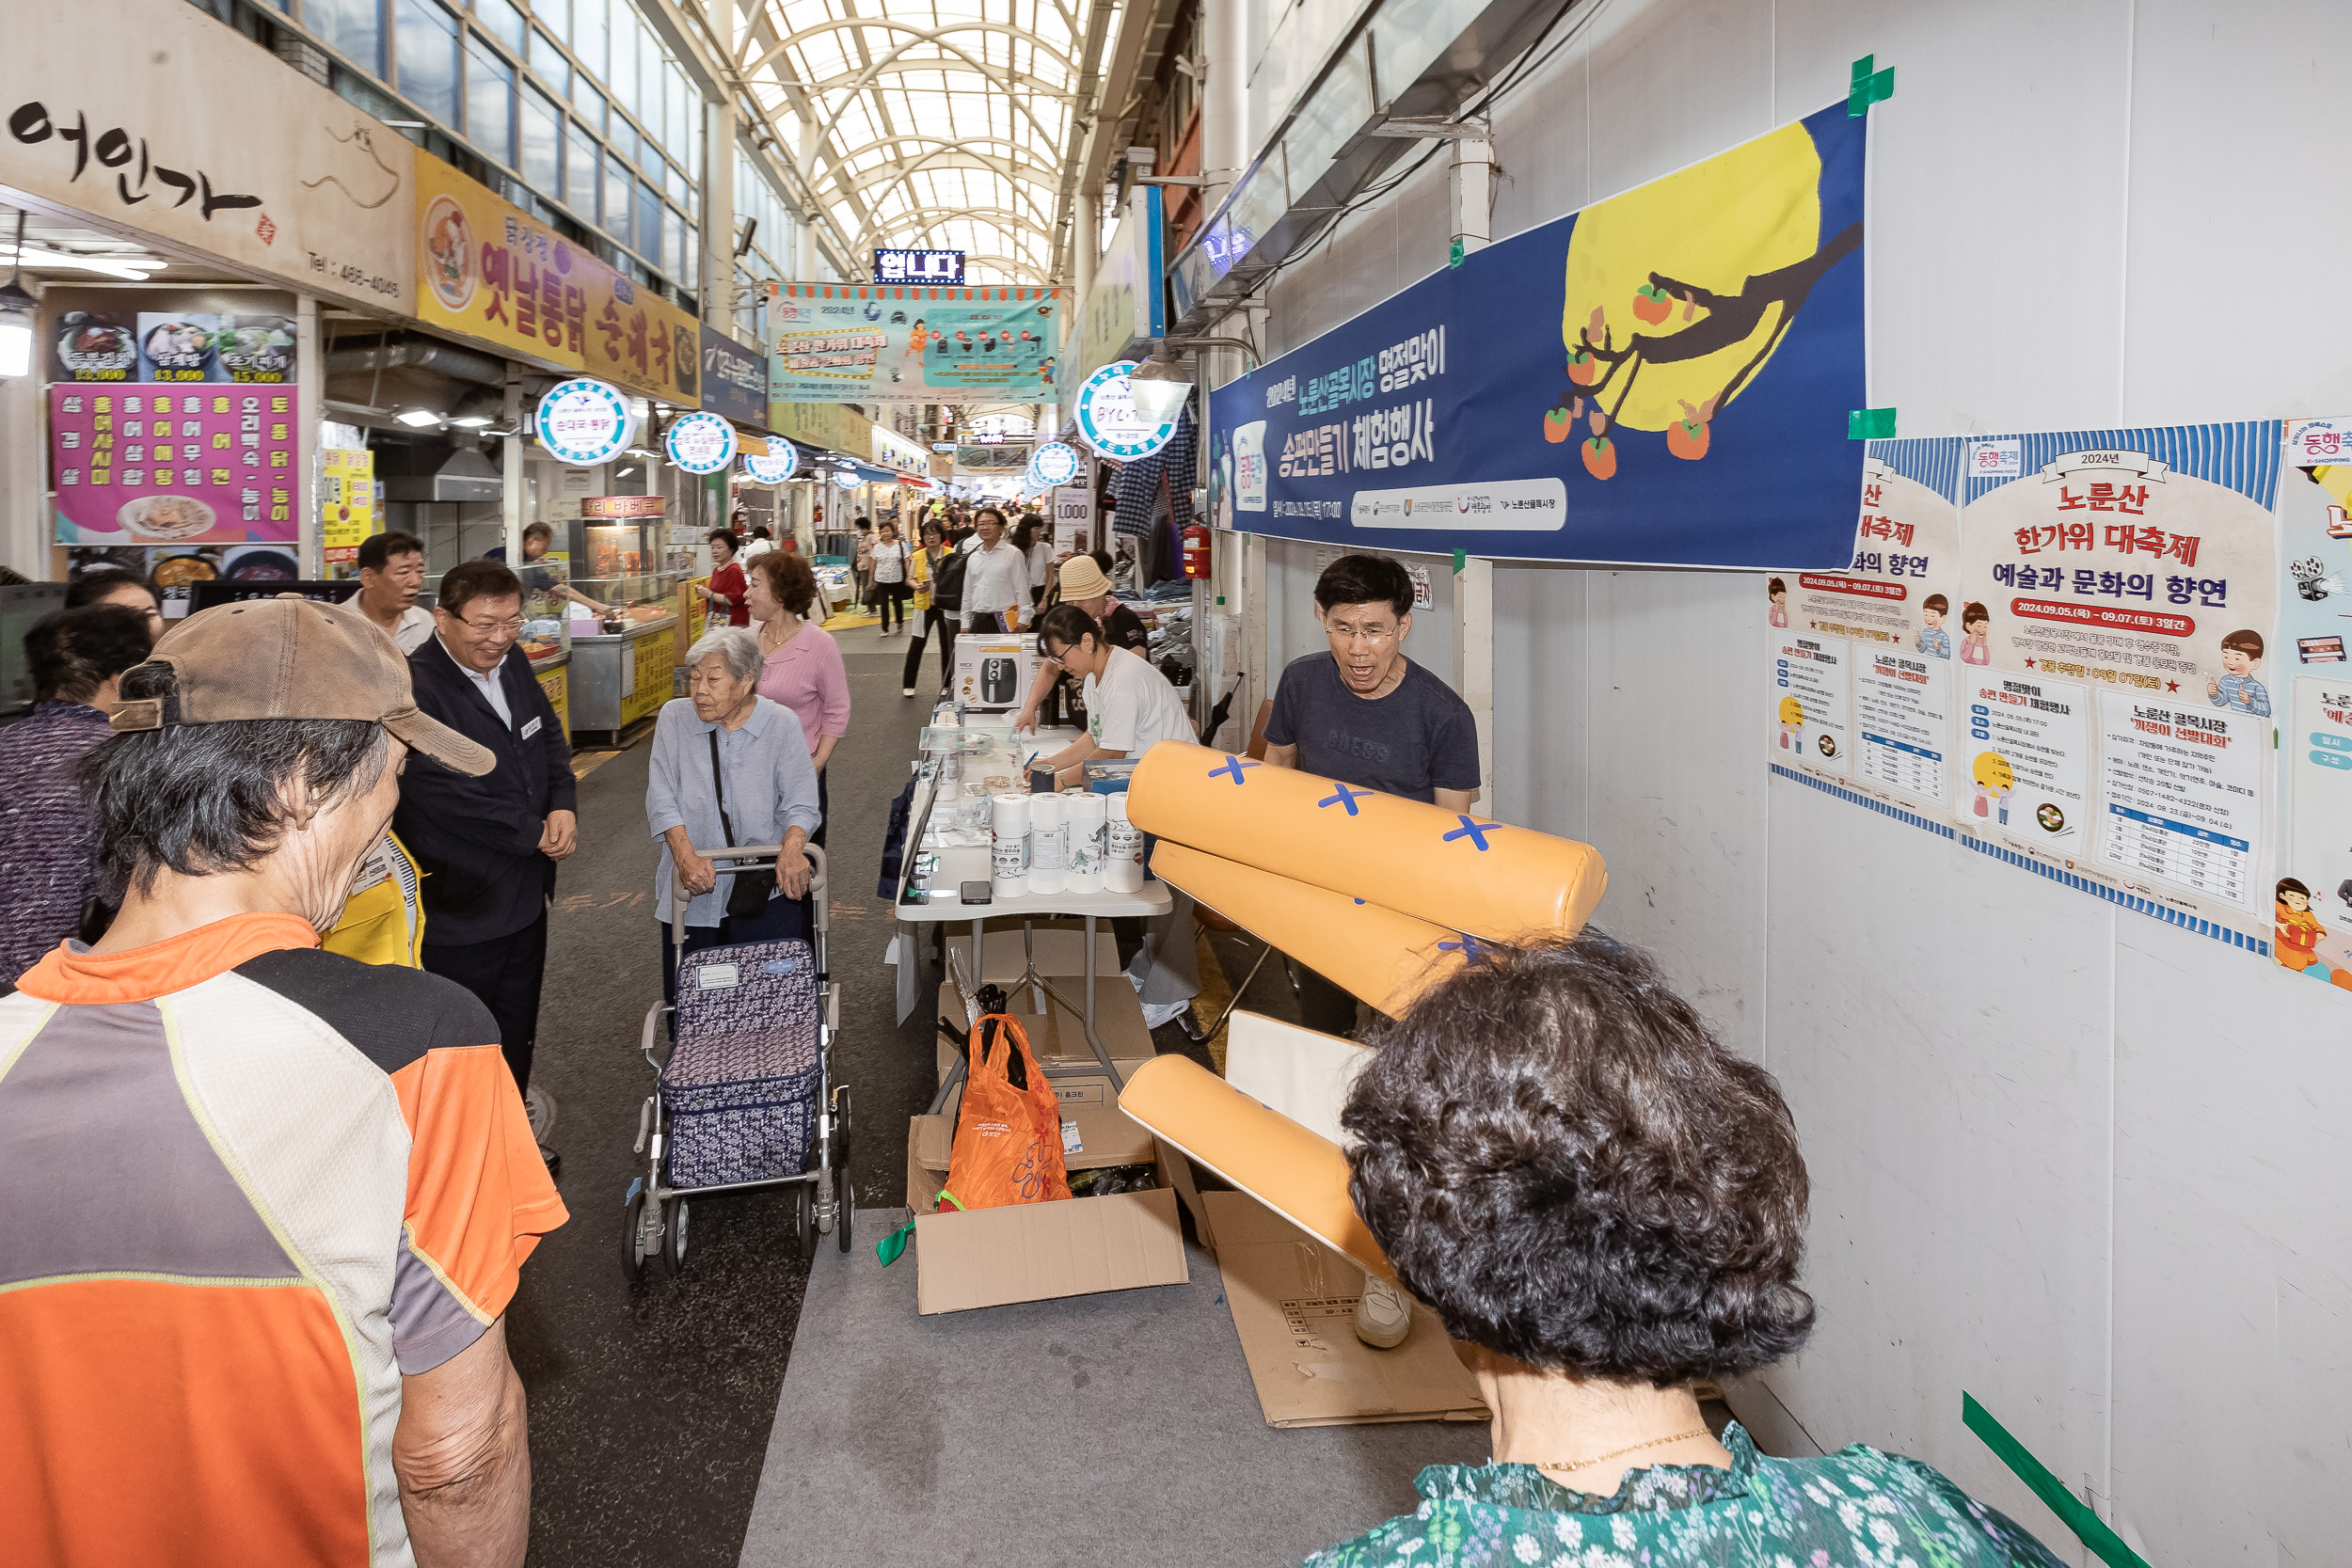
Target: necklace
point(1618, 1453)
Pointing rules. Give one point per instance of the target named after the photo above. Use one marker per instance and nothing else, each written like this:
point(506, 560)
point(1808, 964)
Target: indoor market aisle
point(651, 1405)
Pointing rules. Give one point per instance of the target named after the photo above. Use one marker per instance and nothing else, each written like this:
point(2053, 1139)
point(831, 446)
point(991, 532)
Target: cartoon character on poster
point(2310, 689)
point(2125, 579)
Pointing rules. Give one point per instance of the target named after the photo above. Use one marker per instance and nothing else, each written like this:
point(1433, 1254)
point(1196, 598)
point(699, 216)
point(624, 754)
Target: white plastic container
point(1008, 851)
point(1089, 824)
point(1122, 852)
point(1049, 843)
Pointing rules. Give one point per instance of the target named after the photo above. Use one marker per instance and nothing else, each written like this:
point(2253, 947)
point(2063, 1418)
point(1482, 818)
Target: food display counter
point(620, 676)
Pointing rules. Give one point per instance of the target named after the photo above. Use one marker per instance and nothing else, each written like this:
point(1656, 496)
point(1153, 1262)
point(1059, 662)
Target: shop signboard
point(775, 468)
point(488, 270)
point(1054, 463)
point(894, 451)
point(870, 343)
point(1693, 410)
point(606, 508)
point(142, 464)
point(1107, 420)
point(700, 443)
point(640, 340)
point(828, 425)
point(918, 266)
point(143, 132)
point(734, 379)
point(130, 344)
point(1073, 519)
point(346, 503)
point(1126, 301)
point(583, 422)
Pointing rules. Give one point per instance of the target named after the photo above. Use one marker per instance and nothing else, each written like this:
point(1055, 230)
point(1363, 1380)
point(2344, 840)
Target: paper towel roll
point(1009, 857)
point(1049, 843)
point(1122, 850)
point(1090, 822)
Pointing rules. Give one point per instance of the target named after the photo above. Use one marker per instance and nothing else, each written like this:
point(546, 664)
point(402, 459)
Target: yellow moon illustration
point(1994, 771)
point(1715, 225)
point(1791, 711)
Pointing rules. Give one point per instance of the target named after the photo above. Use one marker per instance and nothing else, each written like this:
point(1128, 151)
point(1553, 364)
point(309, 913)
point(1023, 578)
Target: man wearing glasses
point(488, 846)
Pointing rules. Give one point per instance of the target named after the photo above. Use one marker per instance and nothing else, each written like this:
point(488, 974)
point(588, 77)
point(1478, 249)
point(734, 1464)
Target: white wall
point(2090, 1168)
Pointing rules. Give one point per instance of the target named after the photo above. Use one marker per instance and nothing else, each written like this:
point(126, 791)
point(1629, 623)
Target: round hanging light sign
point(583, 422)
point(700, 443)
point(1107, 420)
point(1054, 463)
point(771, 469)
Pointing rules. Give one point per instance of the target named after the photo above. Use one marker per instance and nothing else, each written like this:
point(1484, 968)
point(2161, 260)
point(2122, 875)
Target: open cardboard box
point(1293, 1305)
point(1057, 1036)
point(1038, 1251)
point(1060, 950)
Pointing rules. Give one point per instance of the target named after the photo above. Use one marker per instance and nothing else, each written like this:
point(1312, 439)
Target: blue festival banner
point(1692, 410)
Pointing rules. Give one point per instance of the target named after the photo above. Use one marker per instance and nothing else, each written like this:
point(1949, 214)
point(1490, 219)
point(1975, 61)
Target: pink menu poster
point(134, 466)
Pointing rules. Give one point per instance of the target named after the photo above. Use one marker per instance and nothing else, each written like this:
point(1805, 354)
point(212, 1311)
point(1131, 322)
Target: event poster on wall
point(2085, 638)
point(853, 342)
point(2312, 900)
point(1692, 407)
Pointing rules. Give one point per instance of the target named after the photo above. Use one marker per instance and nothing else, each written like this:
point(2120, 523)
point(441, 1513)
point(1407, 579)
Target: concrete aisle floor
point(650, 1405)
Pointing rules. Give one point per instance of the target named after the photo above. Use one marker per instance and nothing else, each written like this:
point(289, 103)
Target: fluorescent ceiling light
point(418, 417)
point(473, 421)
point(1159, 388)
point(625, 472)
point(135, 268)
point(407, 124)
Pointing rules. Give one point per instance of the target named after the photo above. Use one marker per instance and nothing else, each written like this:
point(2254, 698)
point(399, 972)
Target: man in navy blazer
point(488, 847)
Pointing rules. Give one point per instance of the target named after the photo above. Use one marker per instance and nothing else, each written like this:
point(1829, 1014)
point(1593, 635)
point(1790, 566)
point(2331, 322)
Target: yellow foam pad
point(1297, 1174)
point(1383, 956)
point(1465, 873)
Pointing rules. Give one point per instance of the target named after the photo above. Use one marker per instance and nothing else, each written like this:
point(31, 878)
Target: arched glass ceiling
point(937, 123)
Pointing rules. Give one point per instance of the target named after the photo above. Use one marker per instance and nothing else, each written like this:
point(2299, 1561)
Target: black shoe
point(554, 1162)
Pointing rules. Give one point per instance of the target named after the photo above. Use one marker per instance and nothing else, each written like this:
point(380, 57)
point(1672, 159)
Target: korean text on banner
point(347, 501)
point(119, 110)
point(1692, 410)
point(640, 340)
point(144, 464)
point(829, 426)
point(735, 380)
point(490, 271)
point(872, 343)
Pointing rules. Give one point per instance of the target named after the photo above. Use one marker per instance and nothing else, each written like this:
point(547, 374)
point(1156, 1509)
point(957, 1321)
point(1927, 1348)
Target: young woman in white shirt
point(890, 577)
point(1130, 705)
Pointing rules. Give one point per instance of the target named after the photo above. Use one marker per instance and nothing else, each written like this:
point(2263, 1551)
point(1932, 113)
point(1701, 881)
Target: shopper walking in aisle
point(763, 540)
point(1029, 538)
point(391, 575)
point(490, 846)
point(258, 1314)
point(729, 767)
point(726, 581)
point(114, 585)
point(890, 577)
point(938, 571)
point(996, 578)
point(1606, 1208)
point(1365, 715)
point(801, 663)
point(48, 816)
point(862, 564)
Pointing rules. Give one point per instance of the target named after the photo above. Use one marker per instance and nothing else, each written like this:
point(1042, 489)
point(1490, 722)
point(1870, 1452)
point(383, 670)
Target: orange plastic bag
point(1008, 1147)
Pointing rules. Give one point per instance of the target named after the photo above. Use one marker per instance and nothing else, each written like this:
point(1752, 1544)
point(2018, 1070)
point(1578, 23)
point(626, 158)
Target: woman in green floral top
point(1605, 1206)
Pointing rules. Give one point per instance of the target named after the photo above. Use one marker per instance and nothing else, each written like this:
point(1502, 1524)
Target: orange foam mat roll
point(1300, 1175)
point(1463, 872)
point(1383, 956)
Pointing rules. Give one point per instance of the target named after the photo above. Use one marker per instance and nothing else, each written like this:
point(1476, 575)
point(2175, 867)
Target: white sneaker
point(906, 692)
point(1384, 1314)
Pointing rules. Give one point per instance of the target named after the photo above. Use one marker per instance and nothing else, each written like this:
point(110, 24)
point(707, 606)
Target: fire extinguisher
point(1196, 550)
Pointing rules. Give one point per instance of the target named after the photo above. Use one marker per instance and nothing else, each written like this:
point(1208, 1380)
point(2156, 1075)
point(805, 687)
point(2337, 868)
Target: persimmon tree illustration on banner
point(1676, 295)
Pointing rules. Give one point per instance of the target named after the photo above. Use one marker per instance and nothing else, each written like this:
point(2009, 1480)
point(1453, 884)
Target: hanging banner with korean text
point(1692, 409)
point(2311, 698)
point(127, 110)
point(490, 271)
point(872, 343)
point(735, 380)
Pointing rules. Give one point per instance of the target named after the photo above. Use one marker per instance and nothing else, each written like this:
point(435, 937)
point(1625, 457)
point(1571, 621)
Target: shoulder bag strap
point(719, 786)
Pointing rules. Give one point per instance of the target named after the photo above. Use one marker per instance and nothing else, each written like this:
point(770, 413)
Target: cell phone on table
point(977, 893)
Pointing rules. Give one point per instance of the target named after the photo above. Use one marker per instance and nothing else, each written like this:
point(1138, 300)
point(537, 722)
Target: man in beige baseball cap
point(291, 657)
point(1085, 582)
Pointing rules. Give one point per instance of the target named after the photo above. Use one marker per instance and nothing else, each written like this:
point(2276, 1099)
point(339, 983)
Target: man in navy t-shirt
point(1366, 715)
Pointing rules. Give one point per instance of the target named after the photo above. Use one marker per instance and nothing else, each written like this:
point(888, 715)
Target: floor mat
point(1110, 1428)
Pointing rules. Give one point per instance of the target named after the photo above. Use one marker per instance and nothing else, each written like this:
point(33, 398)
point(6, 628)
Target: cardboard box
point(1038, 1251)
point(1057, 1036)
point(1293, 1305)
point(1060, 950)
point(993, 671)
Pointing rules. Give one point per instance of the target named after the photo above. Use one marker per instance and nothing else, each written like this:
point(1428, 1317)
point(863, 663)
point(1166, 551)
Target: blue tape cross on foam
point(1475, 831)
point(1234, 766)
point(1345, 797)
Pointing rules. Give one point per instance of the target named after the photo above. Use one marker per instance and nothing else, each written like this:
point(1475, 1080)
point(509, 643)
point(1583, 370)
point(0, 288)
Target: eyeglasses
point(1053, 659)
point(512, 626)
point(1341, 632)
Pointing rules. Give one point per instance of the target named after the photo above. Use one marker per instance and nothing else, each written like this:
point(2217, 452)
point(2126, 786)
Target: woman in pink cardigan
point(802, 668)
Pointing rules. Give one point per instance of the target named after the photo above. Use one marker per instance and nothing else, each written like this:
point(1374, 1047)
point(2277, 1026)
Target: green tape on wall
point(2087, 1527)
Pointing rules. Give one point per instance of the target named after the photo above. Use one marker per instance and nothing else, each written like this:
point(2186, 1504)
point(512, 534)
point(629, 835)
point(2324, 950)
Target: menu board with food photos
point(173, 346)
point(146, 463)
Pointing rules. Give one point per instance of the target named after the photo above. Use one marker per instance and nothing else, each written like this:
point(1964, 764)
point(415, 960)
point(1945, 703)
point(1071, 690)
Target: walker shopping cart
point(745, 1100)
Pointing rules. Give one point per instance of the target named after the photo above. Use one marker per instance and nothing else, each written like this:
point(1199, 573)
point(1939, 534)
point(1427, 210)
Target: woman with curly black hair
point(1605, 1206)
